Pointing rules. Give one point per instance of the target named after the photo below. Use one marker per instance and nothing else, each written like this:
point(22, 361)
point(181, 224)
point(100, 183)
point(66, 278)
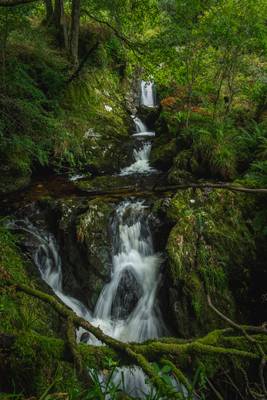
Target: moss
point(94, 111)
point(182, 164)
point(21, 312)
point(103, 183)
point(163, 152)
point(10, 184)
point(37, 365)
point(209, 245)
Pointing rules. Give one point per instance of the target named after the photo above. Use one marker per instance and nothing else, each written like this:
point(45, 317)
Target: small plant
point(103, 383)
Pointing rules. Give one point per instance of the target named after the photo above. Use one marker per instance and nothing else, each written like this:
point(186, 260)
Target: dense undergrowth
point(47, 122)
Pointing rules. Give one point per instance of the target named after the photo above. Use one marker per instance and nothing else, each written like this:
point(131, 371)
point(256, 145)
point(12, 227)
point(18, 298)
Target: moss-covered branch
point(169, 351)
point(249, 338)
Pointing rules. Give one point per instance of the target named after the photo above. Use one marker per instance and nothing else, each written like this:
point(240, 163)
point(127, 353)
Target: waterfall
point(147, 94)
point(45, 254)
point(141, 128)
point(142, 152)
point(128, 301)
point(127, 307)
point(139, 125)
point(141, 161)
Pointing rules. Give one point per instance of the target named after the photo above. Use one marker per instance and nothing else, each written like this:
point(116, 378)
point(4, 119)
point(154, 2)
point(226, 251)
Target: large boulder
point(210, 249)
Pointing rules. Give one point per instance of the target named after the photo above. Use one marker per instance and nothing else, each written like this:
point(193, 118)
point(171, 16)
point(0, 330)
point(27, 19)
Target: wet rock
point(116, 183)
point(127, 295)
point(109, 154)
point(82, 231)
point(149, 115)
point(102, 183)
point(85, 337)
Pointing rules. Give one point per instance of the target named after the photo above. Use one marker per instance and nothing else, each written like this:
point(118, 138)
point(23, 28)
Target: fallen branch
point(206, 185)
point(142, 354)
point(138, 189)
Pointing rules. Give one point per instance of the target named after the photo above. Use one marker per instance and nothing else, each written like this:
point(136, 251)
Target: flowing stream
point(142, 149)
point(127, 307)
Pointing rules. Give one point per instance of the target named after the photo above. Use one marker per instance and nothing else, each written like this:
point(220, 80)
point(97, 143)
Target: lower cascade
point(127, 307)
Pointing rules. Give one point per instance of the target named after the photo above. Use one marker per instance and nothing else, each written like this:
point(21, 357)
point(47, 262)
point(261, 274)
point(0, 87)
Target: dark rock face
point(82, 231)
point(85, 249)
point(127, 296)
point(149, 115)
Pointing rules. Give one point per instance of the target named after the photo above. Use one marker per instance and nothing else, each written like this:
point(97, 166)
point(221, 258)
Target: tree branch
point(135, 188)
point(133, 46)
point(142, 354)
point(207, 185)
point(249, 338)
point(12, 3)
point(77, 72)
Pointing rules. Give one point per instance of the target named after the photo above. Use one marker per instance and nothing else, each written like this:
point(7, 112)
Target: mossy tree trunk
point(61, 23)
point(49, 11)
point(75, 27)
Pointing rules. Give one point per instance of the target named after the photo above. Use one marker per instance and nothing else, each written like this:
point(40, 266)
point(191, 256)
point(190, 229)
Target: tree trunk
point(75, 26)
point(3, 47)
point(49, 11)
point(61, 23)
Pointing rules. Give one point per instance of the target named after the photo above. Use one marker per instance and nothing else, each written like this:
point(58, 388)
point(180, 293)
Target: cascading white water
point(139, 125)
point(141, 128)
point(147, 94)
point(44, 250)
point(136, 265)
point(127, 307)
point(141, 154)
point(141, 163)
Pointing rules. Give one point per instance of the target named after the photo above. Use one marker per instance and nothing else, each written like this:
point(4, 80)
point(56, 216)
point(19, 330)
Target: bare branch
point(12, 3)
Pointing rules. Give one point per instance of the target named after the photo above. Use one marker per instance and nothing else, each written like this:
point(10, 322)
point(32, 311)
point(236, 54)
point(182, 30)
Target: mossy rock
point(183, 162)
point(102, 183)
point(209, 244)
point(10, 183)
point(108, 155)
point(25, 316)
point(149, 115)
point(163, 152)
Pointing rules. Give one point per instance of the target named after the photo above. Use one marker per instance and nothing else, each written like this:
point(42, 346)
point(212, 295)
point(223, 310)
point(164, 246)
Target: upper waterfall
point(148, 98)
